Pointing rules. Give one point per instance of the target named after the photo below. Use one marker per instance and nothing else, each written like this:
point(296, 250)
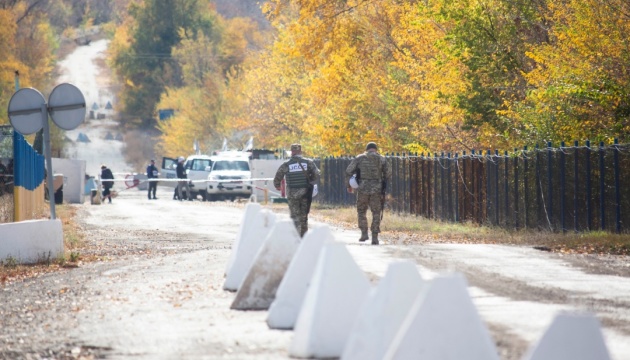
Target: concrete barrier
point(332, 302)
point(571, 337)
point(258, 289)
point(31, 241)
point(253, 236)
point(284, 310)
point(444, 324)
point(383, 312)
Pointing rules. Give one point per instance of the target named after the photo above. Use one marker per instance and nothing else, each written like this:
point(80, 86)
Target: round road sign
point(66, 105)
point(25, 111)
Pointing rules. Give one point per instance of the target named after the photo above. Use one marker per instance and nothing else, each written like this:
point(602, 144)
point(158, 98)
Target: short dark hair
point(371, 145)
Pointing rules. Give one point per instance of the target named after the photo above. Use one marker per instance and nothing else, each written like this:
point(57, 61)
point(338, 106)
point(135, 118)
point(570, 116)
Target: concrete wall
point(73, 179)
point(31, 241)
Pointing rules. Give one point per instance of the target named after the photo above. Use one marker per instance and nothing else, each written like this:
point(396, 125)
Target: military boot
point(364, 236)
point(374, 238)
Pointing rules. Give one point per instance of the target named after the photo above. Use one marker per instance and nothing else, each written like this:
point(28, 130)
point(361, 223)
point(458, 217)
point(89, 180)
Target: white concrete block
point(383, 312)
point(250, 213)
point(73, 179)
point(284, 310)
point(31, 241)
point(254, 234)
point(571, 337)
point(443, 324)
point(258, 290)
point(332, 302)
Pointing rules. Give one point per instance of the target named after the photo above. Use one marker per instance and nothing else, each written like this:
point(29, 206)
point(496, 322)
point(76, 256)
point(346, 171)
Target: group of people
point(369, 173)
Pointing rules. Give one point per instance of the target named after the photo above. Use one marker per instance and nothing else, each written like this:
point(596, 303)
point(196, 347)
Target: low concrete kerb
point(31, 241)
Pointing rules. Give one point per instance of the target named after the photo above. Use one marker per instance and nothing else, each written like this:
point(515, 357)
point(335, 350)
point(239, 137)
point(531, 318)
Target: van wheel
point(210, 197)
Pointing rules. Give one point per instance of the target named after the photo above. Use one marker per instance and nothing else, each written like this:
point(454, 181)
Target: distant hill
point(242, 8)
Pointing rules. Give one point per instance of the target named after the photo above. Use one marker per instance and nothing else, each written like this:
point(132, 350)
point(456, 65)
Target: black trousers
point(152, 188)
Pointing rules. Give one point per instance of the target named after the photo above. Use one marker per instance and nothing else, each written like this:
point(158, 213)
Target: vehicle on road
point(229, 177)
point(197, 169)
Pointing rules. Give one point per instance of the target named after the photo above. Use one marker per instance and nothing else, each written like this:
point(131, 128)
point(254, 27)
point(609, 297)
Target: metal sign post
point(28, 113)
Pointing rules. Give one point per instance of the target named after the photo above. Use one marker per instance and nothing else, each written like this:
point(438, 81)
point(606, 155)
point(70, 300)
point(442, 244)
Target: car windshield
point(231, 165)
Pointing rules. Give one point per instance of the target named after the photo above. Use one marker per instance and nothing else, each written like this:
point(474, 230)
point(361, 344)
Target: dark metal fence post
point(617, 190)
point(516, 199)
point(549, 212)
point(457, 187)
point(538, 187)
point(602, 187)
point(449, 196)
point(575, 185)
point(435, 185)
point(562, 186)
point(496, 187)
point(589, 206)
point(506, 187)
point(442, 187)
point(525, 187)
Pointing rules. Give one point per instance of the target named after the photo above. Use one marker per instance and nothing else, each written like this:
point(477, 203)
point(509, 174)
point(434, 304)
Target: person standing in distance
point(106, 178)
point(181, 174)
point(152, 173)
point(301, 176)
point(372, 172)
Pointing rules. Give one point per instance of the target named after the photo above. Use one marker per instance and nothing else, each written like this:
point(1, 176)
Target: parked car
point(229, 177)
point(197, 169)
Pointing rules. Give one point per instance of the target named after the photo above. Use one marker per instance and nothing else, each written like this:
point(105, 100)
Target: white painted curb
point(254, 235)
point(284, 310)
point(443, 324)
point(258, 290)
point(31, 241)
point(331, 305)
point(571, 337)
point(383, 312)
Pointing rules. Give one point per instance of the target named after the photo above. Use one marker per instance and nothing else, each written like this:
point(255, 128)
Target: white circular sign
point(25, 111)
point(66, 105)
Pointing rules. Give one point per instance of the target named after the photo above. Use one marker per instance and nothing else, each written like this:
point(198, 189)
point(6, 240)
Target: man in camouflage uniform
point(301, 174)
point(373, 171)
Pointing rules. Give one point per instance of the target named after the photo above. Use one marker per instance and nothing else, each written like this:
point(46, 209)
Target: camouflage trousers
point(373, 202)
point(297, 210)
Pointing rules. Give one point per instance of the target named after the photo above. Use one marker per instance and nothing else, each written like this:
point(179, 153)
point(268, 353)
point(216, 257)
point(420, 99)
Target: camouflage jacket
point(372, 169)
point(312, 172)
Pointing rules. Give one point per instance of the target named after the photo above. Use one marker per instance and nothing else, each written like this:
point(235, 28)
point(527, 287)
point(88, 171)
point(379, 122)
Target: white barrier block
point(284, 310)
point(332, 302)
point(261, 282)
point(254, 234)
point(571, 337)
point(250, 213)
point(443, 324)
point(31, 241)
point(383, 312)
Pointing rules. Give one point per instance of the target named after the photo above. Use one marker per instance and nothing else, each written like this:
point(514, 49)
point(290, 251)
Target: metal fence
point(567, 188)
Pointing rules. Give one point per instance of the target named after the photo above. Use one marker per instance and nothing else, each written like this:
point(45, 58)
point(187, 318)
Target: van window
point(201, 164)
point(234, 165)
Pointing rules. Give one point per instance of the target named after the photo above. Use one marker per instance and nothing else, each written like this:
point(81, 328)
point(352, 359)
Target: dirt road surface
point(157, 291)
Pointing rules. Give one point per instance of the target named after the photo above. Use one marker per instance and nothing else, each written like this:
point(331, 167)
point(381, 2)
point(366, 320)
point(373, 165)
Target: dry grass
point(408, 229)
point(73, 239)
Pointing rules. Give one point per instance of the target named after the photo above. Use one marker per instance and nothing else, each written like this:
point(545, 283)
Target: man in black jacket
point(152, 173)
point(106, 178)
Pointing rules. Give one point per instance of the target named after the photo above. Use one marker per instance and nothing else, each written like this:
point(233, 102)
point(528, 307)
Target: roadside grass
point(409, 229)
point(73, 238)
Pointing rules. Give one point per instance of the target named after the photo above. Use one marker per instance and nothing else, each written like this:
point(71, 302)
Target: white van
point(229, 177)
point(197, 169)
